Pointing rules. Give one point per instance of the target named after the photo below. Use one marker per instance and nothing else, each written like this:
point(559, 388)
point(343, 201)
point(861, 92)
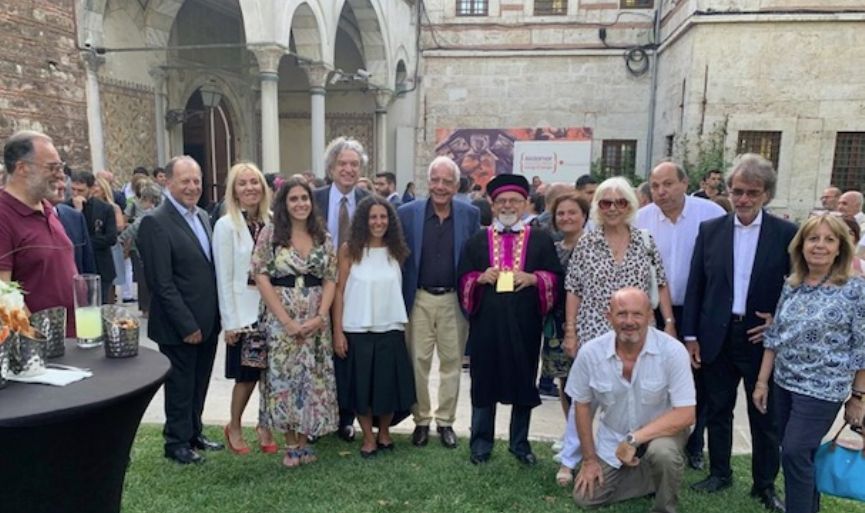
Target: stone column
point(268, 70)
point(158, 75)
point(92, 62)
point(317, 75)
point(383, 98)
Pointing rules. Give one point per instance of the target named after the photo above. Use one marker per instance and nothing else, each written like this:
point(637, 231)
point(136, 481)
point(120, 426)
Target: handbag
point(654, 294)
point(840, 470)
point(253, 347)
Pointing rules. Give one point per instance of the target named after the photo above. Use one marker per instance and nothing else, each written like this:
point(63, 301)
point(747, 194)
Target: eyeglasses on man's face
point(53, 167)
point(749, 193)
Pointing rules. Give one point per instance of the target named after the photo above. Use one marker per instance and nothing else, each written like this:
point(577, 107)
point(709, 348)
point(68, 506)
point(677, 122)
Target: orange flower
point(4, 334)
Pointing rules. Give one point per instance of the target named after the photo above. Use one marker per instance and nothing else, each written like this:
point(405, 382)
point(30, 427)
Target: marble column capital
point(92, 60)
point(317, 75)
point(157, 74)
point(268, 58)
point(383, 99)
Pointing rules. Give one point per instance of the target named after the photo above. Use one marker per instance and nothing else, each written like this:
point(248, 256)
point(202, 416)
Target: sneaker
point(552, 391)
point(559, 444)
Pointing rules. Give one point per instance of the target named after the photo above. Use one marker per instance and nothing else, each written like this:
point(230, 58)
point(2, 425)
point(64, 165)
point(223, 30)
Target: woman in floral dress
point(295, 269)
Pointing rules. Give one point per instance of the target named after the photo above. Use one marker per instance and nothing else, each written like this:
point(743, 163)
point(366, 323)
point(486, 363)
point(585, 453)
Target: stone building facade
point(646, 78)
point(42, 76)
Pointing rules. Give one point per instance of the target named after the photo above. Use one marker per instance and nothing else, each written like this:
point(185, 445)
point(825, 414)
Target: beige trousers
point(436, 323)
point(659, 472)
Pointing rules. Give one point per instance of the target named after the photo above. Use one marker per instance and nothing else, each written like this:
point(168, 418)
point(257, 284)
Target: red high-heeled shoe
point(232, 448)
point(271, 448)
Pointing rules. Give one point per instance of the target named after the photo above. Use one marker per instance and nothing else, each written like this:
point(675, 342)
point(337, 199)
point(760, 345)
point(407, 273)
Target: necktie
point(343, 220)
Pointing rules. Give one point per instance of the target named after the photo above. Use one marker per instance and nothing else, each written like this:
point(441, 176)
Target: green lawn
point(431, 479)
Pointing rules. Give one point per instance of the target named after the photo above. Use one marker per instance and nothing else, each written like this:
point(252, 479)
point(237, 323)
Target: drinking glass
point(88, 310)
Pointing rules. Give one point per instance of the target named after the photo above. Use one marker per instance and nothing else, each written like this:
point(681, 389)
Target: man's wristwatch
point(631, 440)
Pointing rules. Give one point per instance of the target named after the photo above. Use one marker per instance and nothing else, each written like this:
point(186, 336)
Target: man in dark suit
point(76, 229)
point(435, 230)
point(335, 203)
point(737, 271)
point(174, 242)
point(101, 226)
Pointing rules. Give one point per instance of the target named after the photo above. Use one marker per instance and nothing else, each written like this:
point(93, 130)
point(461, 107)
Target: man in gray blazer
point(175, 243)
point(336, 203)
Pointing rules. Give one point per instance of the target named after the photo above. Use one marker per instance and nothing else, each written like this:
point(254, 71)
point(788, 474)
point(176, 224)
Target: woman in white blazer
point(245, 212)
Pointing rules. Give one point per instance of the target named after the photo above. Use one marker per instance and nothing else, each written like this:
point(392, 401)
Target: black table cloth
point(66, 449)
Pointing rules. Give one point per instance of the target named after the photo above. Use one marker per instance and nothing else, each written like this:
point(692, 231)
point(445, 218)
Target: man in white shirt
point(344, 160)
point(674, 219)
point(642, 386)
point(737, 271)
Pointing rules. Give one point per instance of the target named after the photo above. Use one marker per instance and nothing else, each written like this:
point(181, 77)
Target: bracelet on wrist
point(669, 320)
point(858, 391)
point(858, 395)
point(760, 384)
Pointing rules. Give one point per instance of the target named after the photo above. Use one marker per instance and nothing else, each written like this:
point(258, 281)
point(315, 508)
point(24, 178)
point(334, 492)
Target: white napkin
point(56, 377)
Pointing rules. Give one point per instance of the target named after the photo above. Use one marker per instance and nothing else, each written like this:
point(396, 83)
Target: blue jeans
point(802, 422)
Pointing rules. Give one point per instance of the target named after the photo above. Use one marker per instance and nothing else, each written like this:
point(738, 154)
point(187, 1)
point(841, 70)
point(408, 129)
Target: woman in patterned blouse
point(816, 345)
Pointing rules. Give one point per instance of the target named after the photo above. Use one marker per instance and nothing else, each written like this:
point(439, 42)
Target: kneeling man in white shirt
point(640, 380)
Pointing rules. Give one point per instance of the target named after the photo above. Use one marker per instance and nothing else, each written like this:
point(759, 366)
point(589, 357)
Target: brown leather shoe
point(448, 437)
point(420, 437)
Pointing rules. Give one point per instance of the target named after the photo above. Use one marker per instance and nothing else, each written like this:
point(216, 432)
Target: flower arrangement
point(13, 314)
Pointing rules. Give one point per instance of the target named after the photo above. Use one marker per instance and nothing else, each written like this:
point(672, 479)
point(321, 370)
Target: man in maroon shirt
point(34, 248)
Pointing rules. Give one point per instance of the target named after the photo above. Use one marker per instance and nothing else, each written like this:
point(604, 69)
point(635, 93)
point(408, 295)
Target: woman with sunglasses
point(612, 256)
point(814, 351)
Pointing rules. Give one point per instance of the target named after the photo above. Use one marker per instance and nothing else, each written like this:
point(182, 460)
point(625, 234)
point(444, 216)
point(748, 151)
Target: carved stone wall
point(129, 125)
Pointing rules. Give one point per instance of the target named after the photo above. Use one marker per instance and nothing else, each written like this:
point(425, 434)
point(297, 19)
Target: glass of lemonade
point(88, 310)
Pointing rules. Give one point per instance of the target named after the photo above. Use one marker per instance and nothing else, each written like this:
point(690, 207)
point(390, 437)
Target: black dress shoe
point(420, 436)
point(695, 460)
point(769, 499)
point(478, 459)
point(346, 433)
point(184, 455)
point(201, 442)
point(369, 454)
point(712, 484)
point(448, 437)
point(527, 458)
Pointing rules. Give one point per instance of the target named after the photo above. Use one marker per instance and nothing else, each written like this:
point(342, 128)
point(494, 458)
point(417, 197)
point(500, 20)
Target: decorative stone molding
point(268, 58)
point(317, 75)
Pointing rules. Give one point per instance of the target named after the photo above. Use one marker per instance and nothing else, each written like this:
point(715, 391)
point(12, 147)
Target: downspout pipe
point(653, 96)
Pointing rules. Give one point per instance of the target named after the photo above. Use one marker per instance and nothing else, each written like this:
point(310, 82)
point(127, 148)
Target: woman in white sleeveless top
point(370, 318)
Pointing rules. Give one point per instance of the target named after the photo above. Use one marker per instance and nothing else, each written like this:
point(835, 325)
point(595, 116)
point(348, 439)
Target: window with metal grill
point(551, 7)
point(636, 4)
point(472, 7)
point(767, 144)
point(618, 157)
point(848, 168)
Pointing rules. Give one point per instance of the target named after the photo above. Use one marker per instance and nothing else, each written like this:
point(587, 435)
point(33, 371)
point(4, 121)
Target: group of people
point(333, 301)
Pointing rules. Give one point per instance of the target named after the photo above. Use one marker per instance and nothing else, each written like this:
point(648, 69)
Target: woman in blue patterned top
point(816, 345)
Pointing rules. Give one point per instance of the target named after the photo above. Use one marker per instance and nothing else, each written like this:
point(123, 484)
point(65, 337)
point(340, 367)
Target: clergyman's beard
point(508, 219)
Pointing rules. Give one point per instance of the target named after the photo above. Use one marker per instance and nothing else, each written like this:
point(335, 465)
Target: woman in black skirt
point(247, 203)
point(369, 323)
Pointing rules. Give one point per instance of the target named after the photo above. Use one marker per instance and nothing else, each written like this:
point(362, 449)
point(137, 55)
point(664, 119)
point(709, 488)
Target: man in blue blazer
point(737, 271)
point(76, 229)
point(344, 159)
point(435, 230)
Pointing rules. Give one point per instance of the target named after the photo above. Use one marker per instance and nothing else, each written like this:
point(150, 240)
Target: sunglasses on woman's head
point(620, 203)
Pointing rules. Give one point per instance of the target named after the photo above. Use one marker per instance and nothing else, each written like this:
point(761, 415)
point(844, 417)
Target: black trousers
point(186, 390)
point(739, 360)
point(803, 421)
point(695, 441)
point(483, 430)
